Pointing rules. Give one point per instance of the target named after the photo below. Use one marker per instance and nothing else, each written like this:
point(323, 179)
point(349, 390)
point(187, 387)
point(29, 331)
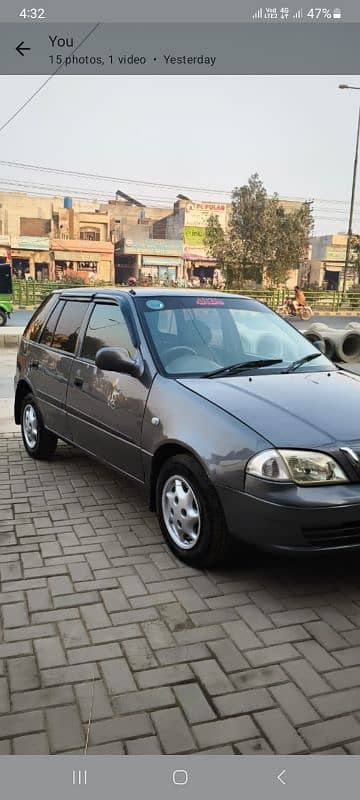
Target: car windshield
point(195, 335)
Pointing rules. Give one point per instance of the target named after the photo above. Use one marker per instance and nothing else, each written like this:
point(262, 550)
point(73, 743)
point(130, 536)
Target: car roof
point(141, 291)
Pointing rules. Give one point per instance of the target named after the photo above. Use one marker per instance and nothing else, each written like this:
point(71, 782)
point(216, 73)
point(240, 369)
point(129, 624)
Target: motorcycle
point(287, 310)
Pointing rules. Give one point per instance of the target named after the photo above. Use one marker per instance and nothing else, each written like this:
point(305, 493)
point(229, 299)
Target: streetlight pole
point(353, 189)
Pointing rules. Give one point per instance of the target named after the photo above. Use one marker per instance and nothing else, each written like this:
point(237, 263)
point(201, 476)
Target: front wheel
point(306, 312)
point(39, 442)
point(3, 317)
point(189, 512)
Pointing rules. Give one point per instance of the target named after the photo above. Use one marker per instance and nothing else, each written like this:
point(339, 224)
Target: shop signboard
point(150, 261)
point(193, 235)
point(197, 214)
point(30, 242)
point(159, 247)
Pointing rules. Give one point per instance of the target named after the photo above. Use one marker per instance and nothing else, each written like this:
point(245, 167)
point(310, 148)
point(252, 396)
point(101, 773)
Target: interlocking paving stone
point(93, 701)
point(173, 731)
point(95, 611)
point(49, 652)
point(212, 677)
point(117, 676)
point(294, 704)
point(243, 702)
point(332, 705)
point(223, 731)
point(35, 744)
point(42, 698)
point(194, 703)
point(65, 729)
point(23, 673)
point(279, 732)
point(334, 731)
point(145, 700)
point(131, 726)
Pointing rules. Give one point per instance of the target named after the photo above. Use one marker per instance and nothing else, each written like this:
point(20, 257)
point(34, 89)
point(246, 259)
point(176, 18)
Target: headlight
point(304, 467)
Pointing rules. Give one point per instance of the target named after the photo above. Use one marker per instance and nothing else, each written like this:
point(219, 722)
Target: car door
point(106, 408)
point(51, 361)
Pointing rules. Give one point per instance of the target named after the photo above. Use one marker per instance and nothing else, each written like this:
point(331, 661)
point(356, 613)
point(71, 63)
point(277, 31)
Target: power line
point(42, 85)
point(158, 185)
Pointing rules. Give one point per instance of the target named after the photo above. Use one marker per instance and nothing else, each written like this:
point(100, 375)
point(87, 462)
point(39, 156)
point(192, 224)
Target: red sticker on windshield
point(209, 301)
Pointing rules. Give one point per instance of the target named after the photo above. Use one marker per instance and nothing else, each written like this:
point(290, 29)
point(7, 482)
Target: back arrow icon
point(20, 48)
point(279, 777)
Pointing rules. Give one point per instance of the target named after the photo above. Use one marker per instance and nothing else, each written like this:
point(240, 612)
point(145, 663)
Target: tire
point(3, 318)
point(210, 534)
point(39, 443)
point(306, 313)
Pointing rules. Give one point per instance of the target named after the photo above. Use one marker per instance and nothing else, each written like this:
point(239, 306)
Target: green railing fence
point(31, 293)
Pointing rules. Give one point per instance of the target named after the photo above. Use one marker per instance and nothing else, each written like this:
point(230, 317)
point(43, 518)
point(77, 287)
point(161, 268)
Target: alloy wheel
point(181, 512)
point(30, 426)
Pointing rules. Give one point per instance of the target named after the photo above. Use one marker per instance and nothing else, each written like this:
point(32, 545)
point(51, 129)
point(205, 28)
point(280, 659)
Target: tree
point(355, 250)
point(263, 240)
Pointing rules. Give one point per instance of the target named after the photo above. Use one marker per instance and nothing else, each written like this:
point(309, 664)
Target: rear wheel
point(189, 512)
point(305, 312)
point(3, 317)
point(39, 442)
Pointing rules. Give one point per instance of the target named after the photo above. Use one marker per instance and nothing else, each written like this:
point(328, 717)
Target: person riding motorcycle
point(298, 301)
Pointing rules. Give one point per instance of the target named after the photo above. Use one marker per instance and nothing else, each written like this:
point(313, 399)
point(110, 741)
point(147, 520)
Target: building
point(187, 223)
point(152, 259)
point(44, 237)
point(327, 261)
point(129, 217)
point(22, 214)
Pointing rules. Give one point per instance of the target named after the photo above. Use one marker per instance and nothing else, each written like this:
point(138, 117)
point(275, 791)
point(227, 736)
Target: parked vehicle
point(287, 309)
point(6, 296)
point(229, 417)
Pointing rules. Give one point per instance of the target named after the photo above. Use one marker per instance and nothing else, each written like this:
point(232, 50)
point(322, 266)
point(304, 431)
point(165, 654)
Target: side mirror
point(320, 345)
point(117, 359)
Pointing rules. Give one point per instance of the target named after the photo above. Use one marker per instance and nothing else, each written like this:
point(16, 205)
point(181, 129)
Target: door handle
point(78, 382)
point(34, 364)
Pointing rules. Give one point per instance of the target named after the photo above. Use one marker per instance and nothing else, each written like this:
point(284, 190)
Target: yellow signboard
point(194, 235)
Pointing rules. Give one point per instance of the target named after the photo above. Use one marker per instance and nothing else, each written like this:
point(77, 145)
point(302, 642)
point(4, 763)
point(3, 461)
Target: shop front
point(89, 260)
point(160, 270)
point(199, 268)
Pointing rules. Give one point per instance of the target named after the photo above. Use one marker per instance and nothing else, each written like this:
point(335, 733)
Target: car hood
point(289, 410)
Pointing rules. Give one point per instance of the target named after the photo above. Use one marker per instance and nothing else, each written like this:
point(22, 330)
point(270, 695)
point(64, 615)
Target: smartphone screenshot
point(179, 400)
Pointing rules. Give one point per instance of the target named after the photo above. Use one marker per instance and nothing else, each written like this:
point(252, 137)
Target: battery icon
point(337, 13)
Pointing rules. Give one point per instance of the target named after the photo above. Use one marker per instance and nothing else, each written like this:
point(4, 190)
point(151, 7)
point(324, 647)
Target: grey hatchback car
point(236, 425)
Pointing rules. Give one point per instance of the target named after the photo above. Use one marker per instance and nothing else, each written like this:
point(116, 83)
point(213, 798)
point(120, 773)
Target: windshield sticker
point(155, 305)
point(209, 301)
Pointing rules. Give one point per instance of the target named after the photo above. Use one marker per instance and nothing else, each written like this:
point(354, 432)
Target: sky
point(207, 132)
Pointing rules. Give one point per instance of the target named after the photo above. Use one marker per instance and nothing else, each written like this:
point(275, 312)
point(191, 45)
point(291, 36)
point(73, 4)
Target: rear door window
point(50, 325)
point(34, 327)
point(68, 326)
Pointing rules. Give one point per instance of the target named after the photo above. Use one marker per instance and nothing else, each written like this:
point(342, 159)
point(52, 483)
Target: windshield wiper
point(301, 361)
point(234, 369)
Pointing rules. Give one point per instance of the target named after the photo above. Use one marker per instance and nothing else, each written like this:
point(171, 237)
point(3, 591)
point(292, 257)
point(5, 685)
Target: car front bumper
point(292, 518)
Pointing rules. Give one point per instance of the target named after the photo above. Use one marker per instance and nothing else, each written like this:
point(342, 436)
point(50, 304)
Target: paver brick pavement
point(99, 620)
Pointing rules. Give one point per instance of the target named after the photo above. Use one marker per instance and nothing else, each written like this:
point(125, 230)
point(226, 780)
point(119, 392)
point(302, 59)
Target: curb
point(10, 337)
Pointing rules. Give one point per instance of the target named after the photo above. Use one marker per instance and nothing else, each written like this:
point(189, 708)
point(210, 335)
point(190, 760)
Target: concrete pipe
point(322, 336)
point(318, 326)
point(353, 326)
point(346, 344)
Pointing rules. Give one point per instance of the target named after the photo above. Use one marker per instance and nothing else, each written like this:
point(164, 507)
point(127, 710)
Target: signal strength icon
point(258, 14)
point(298, 14)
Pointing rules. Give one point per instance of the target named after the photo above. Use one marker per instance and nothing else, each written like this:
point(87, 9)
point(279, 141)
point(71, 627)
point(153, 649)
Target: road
point(332, 322)
point(21, 317)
